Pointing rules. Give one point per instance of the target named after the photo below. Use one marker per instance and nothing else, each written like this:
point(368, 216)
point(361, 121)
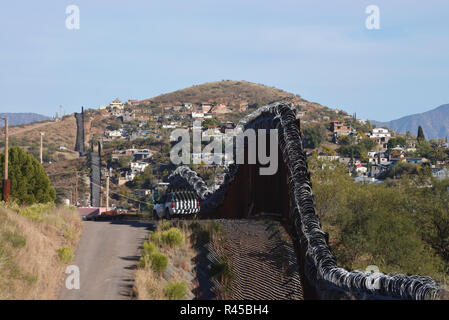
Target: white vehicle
point(176, 203)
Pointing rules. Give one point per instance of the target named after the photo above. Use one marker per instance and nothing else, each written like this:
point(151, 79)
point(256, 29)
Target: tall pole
point(6, 182)
point(76, 189)
point(107, 191)
point(40, 153)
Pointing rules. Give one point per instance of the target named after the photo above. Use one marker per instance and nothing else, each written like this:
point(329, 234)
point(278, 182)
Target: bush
point(172, 237)
point(176, 290)
point(155, 237)
point(221, 271)
point(165, 226)
point(15, 239)
point(159, 262)
point(65, 254)
point(149, 248)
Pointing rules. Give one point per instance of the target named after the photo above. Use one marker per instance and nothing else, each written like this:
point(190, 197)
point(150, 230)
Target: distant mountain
point(435, 123)
point(15, 119)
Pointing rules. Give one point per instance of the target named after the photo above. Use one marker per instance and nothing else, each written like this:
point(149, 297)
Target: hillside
point(229, 92)
point(435, 123)
point(36, 244)
point(15, 119)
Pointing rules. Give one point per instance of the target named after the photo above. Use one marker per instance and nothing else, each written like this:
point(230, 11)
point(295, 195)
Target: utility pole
point(42, 135)
point(76, 189)
point(107, 191)
point(6, 182)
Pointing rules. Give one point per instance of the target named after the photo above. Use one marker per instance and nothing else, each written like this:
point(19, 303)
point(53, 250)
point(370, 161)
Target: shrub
point(149, 248)
point(65, 254)
point(172, 237)
point(155, 237)
point(221, 271)
point(166, 225)
point(159, 262)
point(15, 239)
point(176, 290)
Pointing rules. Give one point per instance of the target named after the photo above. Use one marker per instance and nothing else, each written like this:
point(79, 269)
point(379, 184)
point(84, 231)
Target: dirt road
point(106, 256)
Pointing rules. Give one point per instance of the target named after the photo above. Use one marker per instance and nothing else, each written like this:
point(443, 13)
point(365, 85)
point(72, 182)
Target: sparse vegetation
point(165, 268)
point(33, 249)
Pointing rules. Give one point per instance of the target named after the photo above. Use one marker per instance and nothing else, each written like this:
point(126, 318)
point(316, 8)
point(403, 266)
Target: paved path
point(107, 255)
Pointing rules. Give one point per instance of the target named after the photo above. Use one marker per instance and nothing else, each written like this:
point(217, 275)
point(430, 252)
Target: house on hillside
point(219, 109)
point(117, 104)
point(197, 115)
point(114, 133)
point(138, 166)
point(440, 173)
point(187, 105)
point(379, 133)
point(132, 102)
point(416, 160)
point(340, 128)
point(128, 116)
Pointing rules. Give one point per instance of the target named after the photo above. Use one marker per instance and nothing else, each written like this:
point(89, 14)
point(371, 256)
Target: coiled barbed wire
point(320, 265)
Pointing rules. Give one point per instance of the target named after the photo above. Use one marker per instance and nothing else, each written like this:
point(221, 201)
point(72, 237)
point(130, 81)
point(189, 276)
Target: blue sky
point(139, 49)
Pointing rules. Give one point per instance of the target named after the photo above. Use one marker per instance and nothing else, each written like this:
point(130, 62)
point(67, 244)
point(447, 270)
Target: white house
point(440, 174)
point(380, 133)
point(139, 166)
point(197, 115)
point(114, 133)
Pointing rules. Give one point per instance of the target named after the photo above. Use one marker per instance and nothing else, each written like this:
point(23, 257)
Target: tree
point(420, 134)
point(399, 141)
point(328, 151)
point(29, 181)
point(314, 136)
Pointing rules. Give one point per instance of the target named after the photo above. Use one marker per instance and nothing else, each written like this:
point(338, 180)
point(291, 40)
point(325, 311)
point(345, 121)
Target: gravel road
point(107, 255)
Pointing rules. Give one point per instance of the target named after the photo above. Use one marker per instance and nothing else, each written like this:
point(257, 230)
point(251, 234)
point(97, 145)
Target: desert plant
point(149, 248)
point(65, 254)
point(159, 262)
point(155, 237)
point(176, 290)
point(172, 237)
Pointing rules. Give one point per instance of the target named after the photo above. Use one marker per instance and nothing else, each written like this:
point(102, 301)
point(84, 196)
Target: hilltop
point(229, 92)
point(435, 123)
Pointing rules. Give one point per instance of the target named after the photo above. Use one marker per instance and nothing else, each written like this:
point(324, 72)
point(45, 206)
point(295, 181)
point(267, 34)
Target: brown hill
point(228, 92)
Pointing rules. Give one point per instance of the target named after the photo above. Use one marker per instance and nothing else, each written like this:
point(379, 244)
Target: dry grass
point(229, 92)
point(30, 267)
point(150, 286)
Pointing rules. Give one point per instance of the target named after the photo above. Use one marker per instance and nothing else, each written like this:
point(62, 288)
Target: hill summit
point(228, 92)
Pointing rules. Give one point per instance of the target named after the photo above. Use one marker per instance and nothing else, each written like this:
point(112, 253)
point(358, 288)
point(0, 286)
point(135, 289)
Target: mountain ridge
point(19, 118)
point(435, 123)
